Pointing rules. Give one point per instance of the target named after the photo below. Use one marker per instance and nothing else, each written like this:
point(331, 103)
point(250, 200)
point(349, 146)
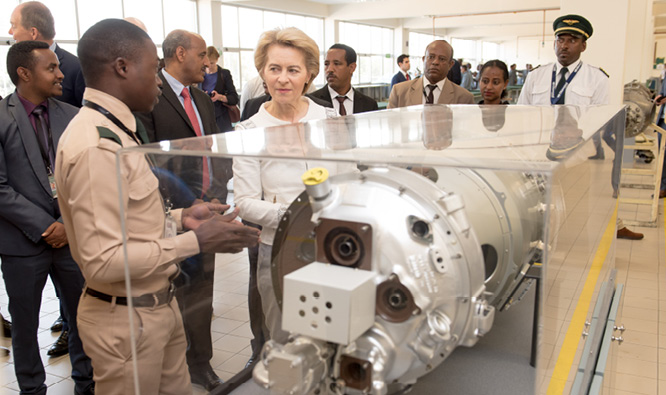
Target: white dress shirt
point(589, 86)
point(436, 92)
point(349, 102)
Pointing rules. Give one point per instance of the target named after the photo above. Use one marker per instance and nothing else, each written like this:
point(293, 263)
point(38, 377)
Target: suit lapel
point(57, 120)
point(327, 94)
point(201, 107)
point(416, 92)
point(172, 99)
point(446, 97)
point(357, 104)
point(29, 140)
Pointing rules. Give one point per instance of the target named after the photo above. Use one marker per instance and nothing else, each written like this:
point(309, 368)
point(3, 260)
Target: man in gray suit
point(33, 241)
point(433, 87)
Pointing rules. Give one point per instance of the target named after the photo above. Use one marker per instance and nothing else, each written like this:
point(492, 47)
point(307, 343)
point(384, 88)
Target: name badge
point(170, 227)
point(52, 185)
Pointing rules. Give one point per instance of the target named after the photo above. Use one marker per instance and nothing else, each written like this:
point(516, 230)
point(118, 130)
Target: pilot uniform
point(89, 200)
point(589, 86)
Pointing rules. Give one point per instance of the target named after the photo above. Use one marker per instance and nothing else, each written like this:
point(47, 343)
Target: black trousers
point(194, 292)
point(24, 280)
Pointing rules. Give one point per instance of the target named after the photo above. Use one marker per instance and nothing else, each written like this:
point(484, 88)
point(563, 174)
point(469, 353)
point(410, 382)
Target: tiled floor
point(640, 366)
point(230, 328)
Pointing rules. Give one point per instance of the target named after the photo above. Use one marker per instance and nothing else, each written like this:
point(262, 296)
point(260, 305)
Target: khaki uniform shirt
point(90, 201)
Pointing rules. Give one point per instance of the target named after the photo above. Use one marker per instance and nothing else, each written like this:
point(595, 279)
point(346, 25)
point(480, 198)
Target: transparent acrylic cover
point(438, 238)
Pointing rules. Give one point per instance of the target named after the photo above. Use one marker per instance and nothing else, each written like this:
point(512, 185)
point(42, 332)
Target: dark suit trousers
point(194, 292)
point(24, 280)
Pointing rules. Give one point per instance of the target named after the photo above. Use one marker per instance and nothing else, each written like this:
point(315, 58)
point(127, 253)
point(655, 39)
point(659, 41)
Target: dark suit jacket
point(224, 86)
point(73, 85)
point(410, 93)
point(27, 207)
point(169, 121)
point(252, 106)
point(362, 103)
point(455, 75)
point(397, 78)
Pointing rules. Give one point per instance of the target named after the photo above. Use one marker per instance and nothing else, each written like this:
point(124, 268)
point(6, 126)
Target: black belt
point(147, 300)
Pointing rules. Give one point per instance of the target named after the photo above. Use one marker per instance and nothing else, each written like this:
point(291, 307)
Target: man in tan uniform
point(119, 63)
point(433, 87)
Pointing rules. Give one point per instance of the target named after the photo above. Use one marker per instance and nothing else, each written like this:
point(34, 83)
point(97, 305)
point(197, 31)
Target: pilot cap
point(573, 24)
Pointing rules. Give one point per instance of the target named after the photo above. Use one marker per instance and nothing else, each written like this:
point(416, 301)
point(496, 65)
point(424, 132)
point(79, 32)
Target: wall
point(528, 50)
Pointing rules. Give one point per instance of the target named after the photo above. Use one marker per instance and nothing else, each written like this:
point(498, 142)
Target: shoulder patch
point(105, 133)
point(604, 71)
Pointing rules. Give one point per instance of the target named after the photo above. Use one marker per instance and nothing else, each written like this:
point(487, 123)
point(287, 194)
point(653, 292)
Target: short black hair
point(21, 55)
point(350, 54)
point(402, 58)
point(37, 15)
point(173, 40)
point(500, 65)
point(107, 41)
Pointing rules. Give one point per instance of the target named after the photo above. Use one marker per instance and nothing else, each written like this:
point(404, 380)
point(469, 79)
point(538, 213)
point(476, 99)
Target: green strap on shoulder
point(106, 133)
point(141, 131)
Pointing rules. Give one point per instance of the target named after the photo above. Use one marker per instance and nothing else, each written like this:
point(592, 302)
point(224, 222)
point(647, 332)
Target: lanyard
point(554, 99)
point(112, 118)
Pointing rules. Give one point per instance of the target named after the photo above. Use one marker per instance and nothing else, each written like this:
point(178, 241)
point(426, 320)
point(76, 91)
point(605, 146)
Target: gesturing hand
point(201, 212)
point(223, 234)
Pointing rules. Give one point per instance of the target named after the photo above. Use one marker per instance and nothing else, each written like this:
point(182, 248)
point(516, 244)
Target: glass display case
point(423, 248)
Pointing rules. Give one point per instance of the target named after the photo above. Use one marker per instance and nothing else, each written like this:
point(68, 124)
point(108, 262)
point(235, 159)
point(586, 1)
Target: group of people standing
point(59, 197)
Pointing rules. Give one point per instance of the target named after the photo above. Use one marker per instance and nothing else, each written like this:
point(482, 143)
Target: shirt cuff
point(187, 245)
point(177, 215)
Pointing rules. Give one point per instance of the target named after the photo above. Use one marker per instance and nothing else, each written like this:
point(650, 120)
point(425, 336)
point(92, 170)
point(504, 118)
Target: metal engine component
point(427, 264)
point(640, 108)
point(506, 211)
point(294, 368)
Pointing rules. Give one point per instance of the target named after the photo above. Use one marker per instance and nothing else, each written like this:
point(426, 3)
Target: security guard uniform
point(89, 195)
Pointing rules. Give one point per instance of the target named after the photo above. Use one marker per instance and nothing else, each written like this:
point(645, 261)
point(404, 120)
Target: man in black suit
point(186, 111)
point(402, 75)
point(339, 67)
point(33, 242)
point(33, 21)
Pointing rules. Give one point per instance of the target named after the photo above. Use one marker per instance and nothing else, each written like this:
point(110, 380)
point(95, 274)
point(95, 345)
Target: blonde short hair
point(288, 37)
point(212, 52)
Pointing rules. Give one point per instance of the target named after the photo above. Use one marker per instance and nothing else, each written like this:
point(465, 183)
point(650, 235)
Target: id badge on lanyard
point(52, 184)
point(170, 225)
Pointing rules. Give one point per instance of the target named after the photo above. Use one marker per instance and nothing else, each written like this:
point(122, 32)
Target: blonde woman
point(288, 61)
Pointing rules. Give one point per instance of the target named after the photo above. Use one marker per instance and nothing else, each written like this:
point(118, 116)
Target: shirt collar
point(570, 67)
point(175, 85)
point(404, 73)
point(30, 106)
point(113, 105)
point(52, 47)
point(440, 84)
point(334, 94)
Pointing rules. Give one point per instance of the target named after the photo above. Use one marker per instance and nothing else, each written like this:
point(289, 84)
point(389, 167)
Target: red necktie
point(407, 77)
point(189, 110)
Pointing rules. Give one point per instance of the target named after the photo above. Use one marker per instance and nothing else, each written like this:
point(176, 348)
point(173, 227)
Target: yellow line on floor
point(572, 338)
